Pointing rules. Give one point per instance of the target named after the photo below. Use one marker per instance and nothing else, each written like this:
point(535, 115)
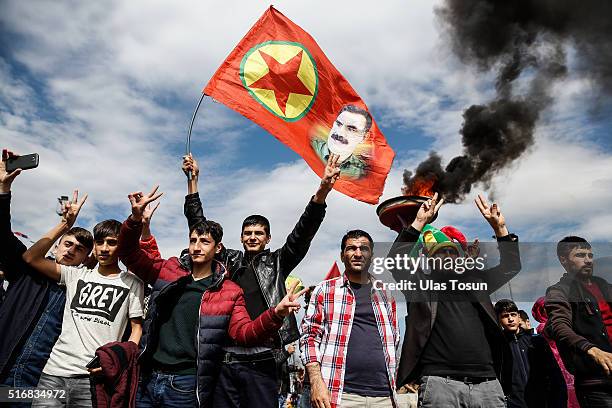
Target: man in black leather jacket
point(248, 375)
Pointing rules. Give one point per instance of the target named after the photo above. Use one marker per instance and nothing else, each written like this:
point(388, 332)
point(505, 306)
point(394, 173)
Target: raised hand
point(148, 213)
point(331, 172)
point(139, 202)
point(190, 165)
point(289, 304)
point(330, 175)
point(6, 179)
point(427, 212)
point(72, 208)
point(493, 215)
point(473, 249)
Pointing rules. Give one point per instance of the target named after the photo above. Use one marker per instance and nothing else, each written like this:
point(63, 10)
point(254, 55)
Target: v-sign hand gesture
point(493, 215)
point(72, 208)
point(427, 211)
point(139, 202)
point(331, 172)
point(289, 304)
point(148, 213)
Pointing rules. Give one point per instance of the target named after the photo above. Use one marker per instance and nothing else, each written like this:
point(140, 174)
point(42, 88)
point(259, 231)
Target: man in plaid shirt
point(350, 334)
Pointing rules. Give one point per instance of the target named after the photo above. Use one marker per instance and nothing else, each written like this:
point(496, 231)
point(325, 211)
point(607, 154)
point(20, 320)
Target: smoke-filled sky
point(104, 91)
point(525, 45)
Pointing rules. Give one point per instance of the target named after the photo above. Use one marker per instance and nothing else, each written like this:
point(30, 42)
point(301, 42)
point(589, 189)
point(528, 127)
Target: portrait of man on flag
point(278, 77)
point(349, 139)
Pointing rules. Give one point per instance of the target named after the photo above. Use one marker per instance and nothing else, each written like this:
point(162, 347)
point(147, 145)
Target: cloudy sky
point(104, 92)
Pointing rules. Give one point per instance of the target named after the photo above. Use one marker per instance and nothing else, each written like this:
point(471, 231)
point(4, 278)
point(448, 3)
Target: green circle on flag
point(282, 76)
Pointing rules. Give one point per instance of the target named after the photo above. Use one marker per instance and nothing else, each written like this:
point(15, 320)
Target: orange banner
point(278, 77)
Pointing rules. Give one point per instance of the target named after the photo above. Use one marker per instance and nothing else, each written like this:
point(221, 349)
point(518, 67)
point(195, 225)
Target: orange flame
point(420, 187)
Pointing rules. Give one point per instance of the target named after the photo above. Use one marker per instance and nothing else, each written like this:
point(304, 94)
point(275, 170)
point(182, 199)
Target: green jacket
point(353, 167)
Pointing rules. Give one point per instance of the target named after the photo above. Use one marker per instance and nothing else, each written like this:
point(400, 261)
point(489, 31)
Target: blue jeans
point(305, 397)
point(34, 354)
point(167, 390)
point(77, 392)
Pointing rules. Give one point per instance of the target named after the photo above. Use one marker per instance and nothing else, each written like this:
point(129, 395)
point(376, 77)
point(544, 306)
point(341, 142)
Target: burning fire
point(419, 187)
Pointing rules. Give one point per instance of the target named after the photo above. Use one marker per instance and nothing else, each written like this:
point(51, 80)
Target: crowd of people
point(104, 319)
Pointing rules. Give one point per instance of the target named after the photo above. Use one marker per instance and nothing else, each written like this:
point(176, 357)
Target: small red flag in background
point(278, 77)
point(334, 272)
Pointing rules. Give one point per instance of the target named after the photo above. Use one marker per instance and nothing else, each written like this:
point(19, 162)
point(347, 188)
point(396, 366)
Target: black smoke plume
point(526, 39)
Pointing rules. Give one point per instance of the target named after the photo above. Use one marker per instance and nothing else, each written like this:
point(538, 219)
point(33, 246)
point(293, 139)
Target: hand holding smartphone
point(24, 162)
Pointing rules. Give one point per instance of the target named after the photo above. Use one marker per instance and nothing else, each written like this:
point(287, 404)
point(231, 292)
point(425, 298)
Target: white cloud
point(116, 84)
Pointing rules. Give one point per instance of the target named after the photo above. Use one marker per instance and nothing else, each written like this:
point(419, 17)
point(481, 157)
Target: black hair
point(308, 294)
point(524, 316)
point(355, 234)
point(360, 111)
point(505, 306)
point(257, 219)
point(214, 229)
point(83, 236)
point(565, 246)
point(106, 228)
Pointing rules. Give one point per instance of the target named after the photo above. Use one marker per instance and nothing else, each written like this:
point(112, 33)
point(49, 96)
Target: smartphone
point(94, 362)
point(25, 162)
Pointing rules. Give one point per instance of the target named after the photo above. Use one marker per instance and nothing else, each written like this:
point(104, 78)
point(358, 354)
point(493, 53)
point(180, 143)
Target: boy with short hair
point(100, 302)
point(536, 379)
point(194, 313)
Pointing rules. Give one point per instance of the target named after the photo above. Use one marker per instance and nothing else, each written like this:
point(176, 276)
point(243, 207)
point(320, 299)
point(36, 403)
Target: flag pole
point(188, 145)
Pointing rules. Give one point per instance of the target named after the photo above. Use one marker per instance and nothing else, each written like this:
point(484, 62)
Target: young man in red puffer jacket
point(193, 316)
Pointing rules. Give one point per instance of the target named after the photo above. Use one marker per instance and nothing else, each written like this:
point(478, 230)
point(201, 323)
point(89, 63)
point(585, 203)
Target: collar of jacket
point(517, 335)
point(246, 259)
point(219, 272)
point(567, 282)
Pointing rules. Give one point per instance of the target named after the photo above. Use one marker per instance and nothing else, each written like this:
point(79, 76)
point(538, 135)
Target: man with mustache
point(348, 131)
point(350, 334)
point(580, 321)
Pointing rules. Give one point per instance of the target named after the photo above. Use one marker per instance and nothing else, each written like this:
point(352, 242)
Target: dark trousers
point(244, 385)
point(167, 390)
point(594, 396)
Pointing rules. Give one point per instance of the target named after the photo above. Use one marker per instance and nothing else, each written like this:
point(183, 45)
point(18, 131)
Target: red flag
point(278, 77)
point(334, 272)
point(20, 234)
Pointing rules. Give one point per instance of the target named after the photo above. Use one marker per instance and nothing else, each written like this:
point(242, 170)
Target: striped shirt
point(326, 329)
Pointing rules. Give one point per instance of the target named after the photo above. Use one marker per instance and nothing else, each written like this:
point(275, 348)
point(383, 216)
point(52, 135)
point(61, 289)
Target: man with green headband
point(454, 349)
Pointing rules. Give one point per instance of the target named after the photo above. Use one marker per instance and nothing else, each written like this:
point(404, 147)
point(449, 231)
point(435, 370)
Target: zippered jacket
point(575, 324)
point(271, 267)
point(223, 318)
